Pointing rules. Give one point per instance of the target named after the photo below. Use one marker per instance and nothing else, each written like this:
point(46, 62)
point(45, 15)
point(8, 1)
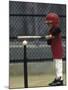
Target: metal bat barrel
point(29, 37)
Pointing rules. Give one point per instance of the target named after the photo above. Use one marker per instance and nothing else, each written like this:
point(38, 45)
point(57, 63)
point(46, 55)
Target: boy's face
point(49, 23)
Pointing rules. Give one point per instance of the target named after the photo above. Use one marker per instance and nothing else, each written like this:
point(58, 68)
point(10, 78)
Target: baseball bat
point(31, 37)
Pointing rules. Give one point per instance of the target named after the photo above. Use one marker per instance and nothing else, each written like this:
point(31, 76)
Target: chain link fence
point(27, 19)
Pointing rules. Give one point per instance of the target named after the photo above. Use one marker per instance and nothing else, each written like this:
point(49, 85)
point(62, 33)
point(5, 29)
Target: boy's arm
point(54, 34)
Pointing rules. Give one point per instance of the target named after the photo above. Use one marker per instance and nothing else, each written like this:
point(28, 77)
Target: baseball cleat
point(56, 82)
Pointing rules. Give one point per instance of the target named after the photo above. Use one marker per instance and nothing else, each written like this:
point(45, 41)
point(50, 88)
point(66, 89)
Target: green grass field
point(40, 74)
point(41, 80)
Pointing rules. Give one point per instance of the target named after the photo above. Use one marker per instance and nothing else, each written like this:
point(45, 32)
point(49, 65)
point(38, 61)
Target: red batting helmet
point(53, 18)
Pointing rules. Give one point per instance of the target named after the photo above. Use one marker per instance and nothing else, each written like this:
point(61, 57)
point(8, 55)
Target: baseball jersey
point(56, 43)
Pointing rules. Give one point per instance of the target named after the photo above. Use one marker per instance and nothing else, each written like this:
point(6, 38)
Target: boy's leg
point(59, 73)
point(58, 68)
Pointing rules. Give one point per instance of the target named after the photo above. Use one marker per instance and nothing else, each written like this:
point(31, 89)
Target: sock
point(58, 68)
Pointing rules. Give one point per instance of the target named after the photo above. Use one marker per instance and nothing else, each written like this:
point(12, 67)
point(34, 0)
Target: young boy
point(55, 41)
